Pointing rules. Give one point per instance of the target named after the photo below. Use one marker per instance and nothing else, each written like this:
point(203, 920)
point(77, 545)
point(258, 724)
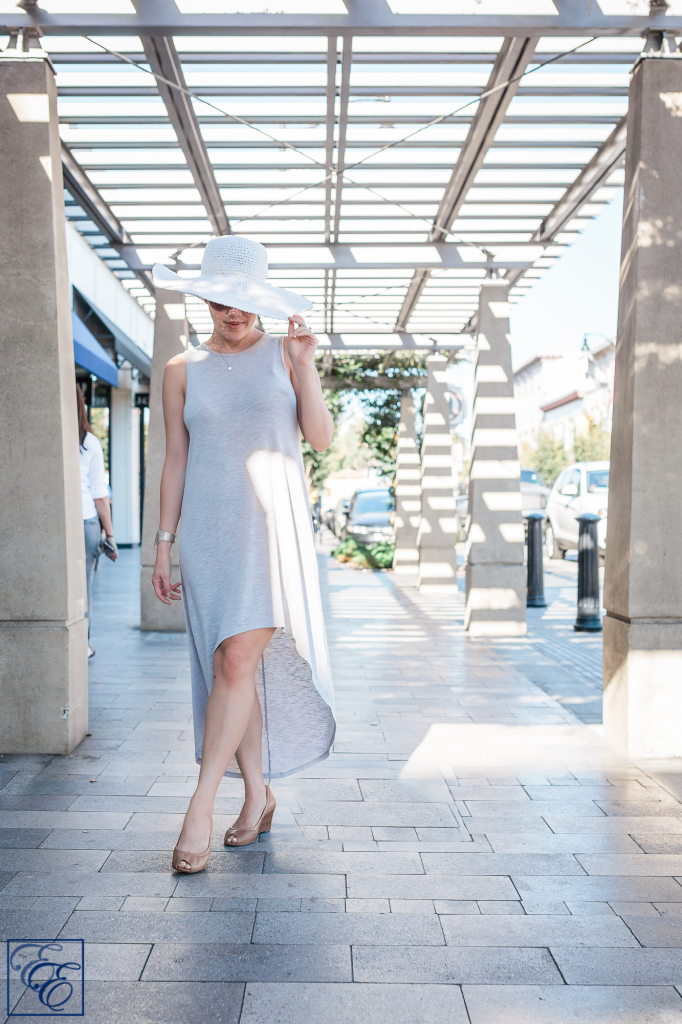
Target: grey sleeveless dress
point(247, 551)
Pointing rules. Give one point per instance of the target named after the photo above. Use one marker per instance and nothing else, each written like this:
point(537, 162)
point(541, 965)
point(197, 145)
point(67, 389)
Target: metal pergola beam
point(364, 17)
point(164, 61)
point(86, 195)
point(512, 60)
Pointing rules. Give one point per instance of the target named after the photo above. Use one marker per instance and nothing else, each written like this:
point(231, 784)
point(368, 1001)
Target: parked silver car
point(534, 495)
point(582, 487)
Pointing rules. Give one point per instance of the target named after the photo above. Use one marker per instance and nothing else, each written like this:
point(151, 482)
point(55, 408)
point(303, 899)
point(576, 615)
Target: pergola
point(414, 166)
point(312, 131)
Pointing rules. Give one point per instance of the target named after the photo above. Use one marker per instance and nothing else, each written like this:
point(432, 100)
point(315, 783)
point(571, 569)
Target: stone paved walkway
point(470, 854)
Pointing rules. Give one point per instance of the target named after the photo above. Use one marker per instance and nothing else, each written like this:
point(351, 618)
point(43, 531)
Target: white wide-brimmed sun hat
point(234, 272)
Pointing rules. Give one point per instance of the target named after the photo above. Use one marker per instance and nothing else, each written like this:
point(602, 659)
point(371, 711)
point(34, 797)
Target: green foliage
point(548, 459)
point(380, 433)
point(593, 445)
point(374, 556)
point(318, 465)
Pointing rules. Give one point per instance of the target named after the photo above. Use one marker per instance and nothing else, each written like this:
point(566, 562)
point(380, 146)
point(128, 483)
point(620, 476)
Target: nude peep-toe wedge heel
point(246, 836)
point(197, 861)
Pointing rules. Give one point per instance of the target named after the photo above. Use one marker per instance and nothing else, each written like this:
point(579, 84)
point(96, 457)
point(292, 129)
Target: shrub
point(376, 556)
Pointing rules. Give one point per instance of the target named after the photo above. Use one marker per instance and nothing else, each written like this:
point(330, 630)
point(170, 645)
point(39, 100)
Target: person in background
point(96, 505)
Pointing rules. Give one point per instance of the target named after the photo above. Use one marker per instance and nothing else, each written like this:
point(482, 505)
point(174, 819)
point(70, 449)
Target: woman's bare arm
point(315, 419)
point(173, 475)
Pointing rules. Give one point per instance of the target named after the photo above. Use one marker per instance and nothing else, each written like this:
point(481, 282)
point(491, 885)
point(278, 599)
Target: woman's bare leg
point(250, 760)
point(228, 714)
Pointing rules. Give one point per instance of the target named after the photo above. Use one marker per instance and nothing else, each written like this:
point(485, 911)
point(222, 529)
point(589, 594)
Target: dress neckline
point(232, 355)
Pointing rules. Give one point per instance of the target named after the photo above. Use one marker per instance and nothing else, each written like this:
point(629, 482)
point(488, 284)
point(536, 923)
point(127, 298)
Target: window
point(571, 485)
point(597, 480)
point(529, 476)
point(373, 501)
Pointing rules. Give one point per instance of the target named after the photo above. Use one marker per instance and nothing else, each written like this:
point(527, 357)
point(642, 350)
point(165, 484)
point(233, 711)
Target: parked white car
point(582, 487)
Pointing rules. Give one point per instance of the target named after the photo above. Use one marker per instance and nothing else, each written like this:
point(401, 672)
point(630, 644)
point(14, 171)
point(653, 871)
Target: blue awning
point(89, 354)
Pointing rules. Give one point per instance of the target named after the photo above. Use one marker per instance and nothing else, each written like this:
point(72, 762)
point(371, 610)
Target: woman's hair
point(83, 423)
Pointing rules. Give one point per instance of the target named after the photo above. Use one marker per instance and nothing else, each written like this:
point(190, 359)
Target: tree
point(593, 444)
point(380, 433)
point(318, 465)
point(549, 458)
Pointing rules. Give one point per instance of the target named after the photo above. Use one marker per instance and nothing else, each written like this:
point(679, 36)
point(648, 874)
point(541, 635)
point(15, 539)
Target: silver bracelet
point(164, 535)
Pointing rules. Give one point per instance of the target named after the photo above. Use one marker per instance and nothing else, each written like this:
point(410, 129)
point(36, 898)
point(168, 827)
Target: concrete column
point(408, 491)
point(168, 332)
point(43, 631)
point(437, 526)
point(124, 460)
point(643, 578)
point(496, 578)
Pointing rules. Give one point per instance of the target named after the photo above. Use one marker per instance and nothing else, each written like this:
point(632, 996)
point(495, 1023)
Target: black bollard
point(589, 619)
point(536, 573)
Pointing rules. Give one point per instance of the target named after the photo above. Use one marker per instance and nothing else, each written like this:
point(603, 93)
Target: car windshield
point(529, 476)
point(597, 480)
point(373, 501)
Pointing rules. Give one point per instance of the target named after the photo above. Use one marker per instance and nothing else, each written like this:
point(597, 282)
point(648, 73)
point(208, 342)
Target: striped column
point(438, 527)
point(495, 579)
point(408, 490)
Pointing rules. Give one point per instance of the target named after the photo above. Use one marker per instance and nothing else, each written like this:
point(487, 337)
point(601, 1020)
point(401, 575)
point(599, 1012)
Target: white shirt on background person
point(93, 477)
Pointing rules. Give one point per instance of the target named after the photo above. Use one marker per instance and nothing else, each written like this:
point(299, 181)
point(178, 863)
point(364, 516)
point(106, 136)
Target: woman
point(261, 683)
point(96, 505)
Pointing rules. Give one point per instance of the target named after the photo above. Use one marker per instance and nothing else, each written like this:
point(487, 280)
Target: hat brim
point(240, 291)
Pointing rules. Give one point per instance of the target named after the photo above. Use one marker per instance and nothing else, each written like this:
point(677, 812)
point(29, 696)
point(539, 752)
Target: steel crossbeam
point(364, 17)
point(163, 59)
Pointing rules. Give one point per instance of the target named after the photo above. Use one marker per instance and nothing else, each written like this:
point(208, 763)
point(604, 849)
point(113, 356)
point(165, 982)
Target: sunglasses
point(219, 308)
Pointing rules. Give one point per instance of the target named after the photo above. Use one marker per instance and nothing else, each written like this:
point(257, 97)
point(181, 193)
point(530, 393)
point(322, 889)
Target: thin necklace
point(218, 353)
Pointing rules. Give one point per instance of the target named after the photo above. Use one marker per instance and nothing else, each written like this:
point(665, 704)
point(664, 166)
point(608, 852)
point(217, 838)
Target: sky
point(579, 294)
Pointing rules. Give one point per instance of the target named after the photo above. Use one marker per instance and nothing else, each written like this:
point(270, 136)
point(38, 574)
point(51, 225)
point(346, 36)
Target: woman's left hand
point(301, 342)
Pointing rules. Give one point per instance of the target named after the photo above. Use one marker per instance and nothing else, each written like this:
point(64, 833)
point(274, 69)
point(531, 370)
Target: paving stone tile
point(110, 903)
point(188, 905)
point(544, 907)
point(456, 907)
point(265, 1003)
point(602, 888)
point(412, 907)
point(627, 824)
point(481, 824)
point(424, 965)
point(24, 801)
point(537, 930)
point(376, 813)
point(587, 842)
point(668, 908)
point(299, 861)
point(501, 864)
point(500, 907)
point(22, 838)
point(225, 962)
point(349, 929)
point(64, 819)
point(144, 926)
point(162, 840)
point(162, 1002)
point(143, 904)
point(394, 835)
point(114, 962)
point(405, 790)
point(662, 931)
point(541, 1004)
point(37, 922)
point(52, 860)
point(228, 905)
point(246, 862)
point(349, 833)
point(312, 905)
point(431, 887)
point(368, 906)
point(115, 883)
point(657, 843)
point(588, 907)
point(619, 966)
point(282, 906)
point(273, 886)
point(632, 864)
point(632, 907)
